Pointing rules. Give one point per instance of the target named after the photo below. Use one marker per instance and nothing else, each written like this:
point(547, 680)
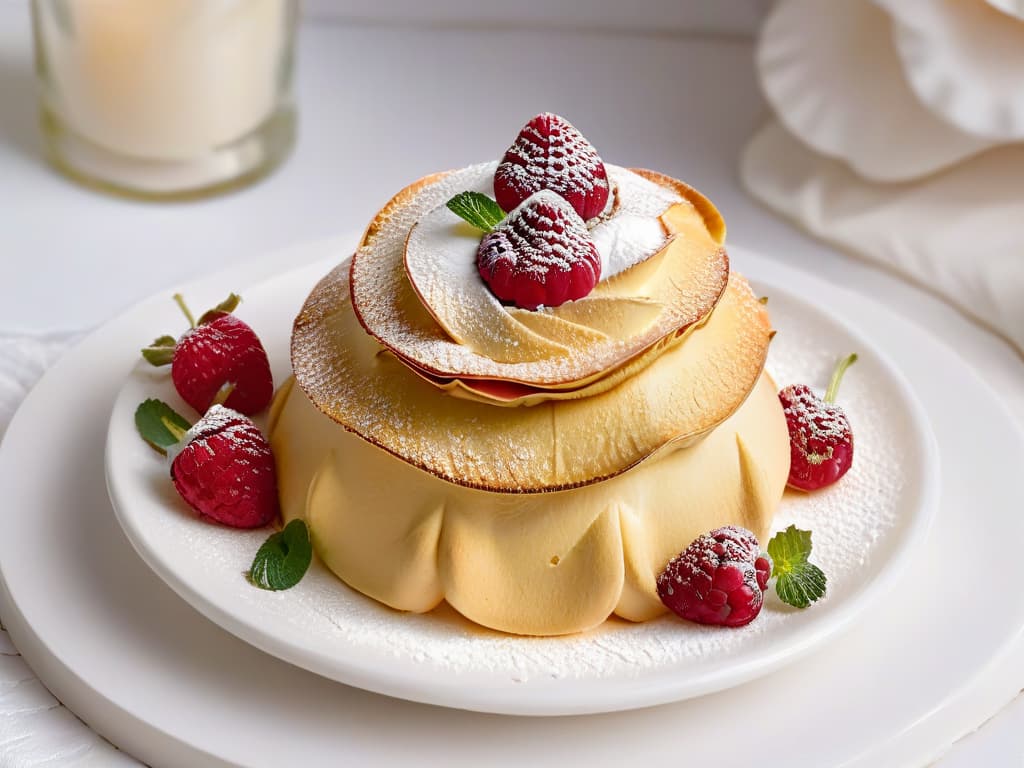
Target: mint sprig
point(159, 424)
point(477, 209)
point(798, 582)
point(283, 559)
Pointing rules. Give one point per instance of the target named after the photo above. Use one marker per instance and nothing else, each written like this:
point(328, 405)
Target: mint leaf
point(161, 351)
point(157, 422)
point(283, 559)
point(230, 304)
point(798, 582)
point(802, 586)
point(789, 547)
point(477, 209)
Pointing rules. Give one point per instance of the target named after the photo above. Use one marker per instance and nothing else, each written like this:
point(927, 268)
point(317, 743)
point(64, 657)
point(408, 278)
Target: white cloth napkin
point(23, 359)
point(958, 233)
point(35, 730)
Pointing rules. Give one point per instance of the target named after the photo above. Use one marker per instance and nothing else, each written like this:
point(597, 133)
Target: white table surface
point(383, 104)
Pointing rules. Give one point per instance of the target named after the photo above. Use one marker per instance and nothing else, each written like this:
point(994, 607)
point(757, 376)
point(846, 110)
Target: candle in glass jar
point(163, 80)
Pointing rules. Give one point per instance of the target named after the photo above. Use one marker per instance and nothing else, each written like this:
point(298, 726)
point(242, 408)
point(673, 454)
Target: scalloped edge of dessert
point(687, 391)
point(437, 541)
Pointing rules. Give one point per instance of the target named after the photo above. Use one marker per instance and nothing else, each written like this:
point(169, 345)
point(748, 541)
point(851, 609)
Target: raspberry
point(719, 579)
point(225, 470)
point(219, 359)
point(549, 153)
point(224, 350)
point(541, 254)
point(820, 437)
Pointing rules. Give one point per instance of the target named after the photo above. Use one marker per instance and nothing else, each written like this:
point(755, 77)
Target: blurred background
point(384, 93)
point(863, 122)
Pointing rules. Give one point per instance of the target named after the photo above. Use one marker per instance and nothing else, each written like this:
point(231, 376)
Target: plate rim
point(649, 687)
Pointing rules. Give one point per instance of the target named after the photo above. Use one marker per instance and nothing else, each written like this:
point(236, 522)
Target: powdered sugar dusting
point(635, 232)
point(217, 418)
point(441, 267)
point(857, 525)
point(862, 510)
point(236, 430)
point(343, 371)
point(391, 310)
point(542, 234)
point(550, 153)
point(540, 255)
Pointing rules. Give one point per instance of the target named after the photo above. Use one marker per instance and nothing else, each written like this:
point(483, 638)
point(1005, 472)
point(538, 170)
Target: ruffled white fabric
point(833, 74)
point(959, 233)
point(35, 730)
point(965, 62)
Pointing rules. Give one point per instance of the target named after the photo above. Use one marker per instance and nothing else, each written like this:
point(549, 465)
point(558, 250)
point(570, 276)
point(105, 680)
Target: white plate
point(864, 529)
point(137, 663)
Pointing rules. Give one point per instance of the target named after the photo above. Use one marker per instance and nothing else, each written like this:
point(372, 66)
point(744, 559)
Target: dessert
point(535, 461)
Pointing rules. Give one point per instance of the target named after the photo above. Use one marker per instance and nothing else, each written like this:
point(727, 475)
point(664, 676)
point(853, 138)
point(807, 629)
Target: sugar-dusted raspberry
point(225, 470)
point(820, 437)
point(541, 254)
point(719, 579)
point(549, 153)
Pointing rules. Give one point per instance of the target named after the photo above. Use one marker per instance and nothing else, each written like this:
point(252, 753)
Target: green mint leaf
point(283, 559)
point(802, 586)
point(798, 582)
point(230, 304)
point(161, 351)
point(157, 423)
point(477, 209)
point(788, 548)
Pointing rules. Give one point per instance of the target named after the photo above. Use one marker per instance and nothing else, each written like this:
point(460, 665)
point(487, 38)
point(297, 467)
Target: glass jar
point(165, 98)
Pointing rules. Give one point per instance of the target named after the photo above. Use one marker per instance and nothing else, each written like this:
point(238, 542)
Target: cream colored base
point(535, 564)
